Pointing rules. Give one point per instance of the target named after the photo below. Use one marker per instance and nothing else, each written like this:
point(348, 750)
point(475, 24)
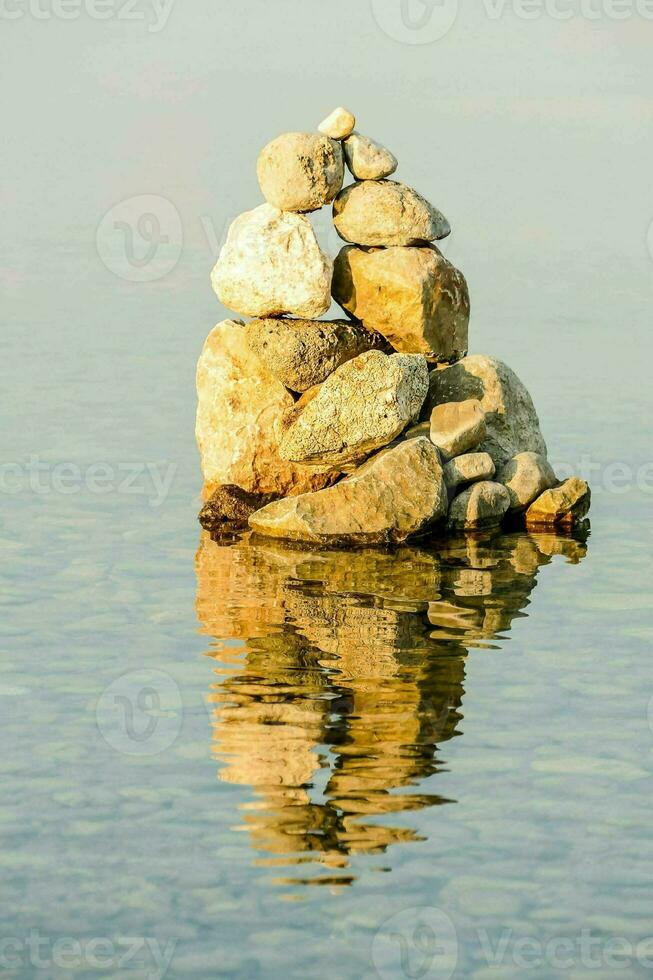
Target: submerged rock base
point(379, 428)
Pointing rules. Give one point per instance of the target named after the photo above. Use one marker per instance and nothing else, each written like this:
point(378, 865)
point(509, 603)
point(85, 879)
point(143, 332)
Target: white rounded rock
point(271, 265)
point(339, 124)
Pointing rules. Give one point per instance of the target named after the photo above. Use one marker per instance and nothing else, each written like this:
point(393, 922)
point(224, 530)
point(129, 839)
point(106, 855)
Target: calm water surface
point(271, 762)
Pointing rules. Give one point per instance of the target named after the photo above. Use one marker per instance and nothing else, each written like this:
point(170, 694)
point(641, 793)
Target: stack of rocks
point(371, 429)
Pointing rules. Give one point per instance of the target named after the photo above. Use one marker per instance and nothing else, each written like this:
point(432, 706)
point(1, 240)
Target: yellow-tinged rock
point(561, 506)
point(413, 296)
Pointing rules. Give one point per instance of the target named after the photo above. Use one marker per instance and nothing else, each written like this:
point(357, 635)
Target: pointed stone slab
point(362, 406)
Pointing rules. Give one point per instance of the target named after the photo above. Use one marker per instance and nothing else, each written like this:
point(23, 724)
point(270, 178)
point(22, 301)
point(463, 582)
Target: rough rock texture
point(525, 477)
point(561, 506)
point(468, 468)
point(368, 160)
point(229, 508)
point(483, 504)
point(300, 171)
point(303, 353)
point(339, 124)
point(413, 296)
point(385, 212)
point(239, 411)
point(457, 427)
point(399, 493)
point(510, 416)
point(365, 404)
point(271, 264)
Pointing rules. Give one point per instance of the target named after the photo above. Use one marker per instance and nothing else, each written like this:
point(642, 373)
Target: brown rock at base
point(229, 508)
point(561, 506)
point(457, 427)
point(413, 296)
point(239, 412)
point(397, 494)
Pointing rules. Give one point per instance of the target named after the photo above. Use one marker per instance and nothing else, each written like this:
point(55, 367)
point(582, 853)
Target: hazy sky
point(538, 128)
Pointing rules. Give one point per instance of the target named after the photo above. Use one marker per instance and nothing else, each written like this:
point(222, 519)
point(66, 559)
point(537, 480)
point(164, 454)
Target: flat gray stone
point(398, 494)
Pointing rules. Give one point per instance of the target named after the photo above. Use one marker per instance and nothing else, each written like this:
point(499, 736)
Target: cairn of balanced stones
point(373, 428)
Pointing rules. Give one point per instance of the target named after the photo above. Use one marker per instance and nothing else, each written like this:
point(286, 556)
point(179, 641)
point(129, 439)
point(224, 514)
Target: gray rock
point(468, 468)
point(413, 296)
point(365, 404)
point(510, 416)
point(457, 427)
point(368, 160)
point(300, 171)
point(303, 353)
point(482, 505)
point(271, 264)
point(399, 493)
point(525, 477)
point(561, 506)
point(385, 212)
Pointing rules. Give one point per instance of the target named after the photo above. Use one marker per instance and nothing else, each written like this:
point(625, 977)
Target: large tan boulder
point(395, 495)
point(271, 265)
point(368, 160)
point(239, 412)
point(365, 404)
point(510, 416)
point(525, 477)
point(561, 506)
point(413, 296)
point(385, 212)
point(303, 353)
point(300, 171)
point(484, 504)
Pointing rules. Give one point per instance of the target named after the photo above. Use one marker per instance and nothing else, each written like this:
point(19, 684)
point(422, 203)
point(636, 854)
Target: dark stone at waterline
point(229, 508)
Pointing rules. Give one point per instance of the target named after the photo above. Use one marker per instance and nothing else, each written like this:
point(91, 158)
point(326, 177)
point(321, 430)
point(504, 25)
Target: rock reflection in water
point(342, 673)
